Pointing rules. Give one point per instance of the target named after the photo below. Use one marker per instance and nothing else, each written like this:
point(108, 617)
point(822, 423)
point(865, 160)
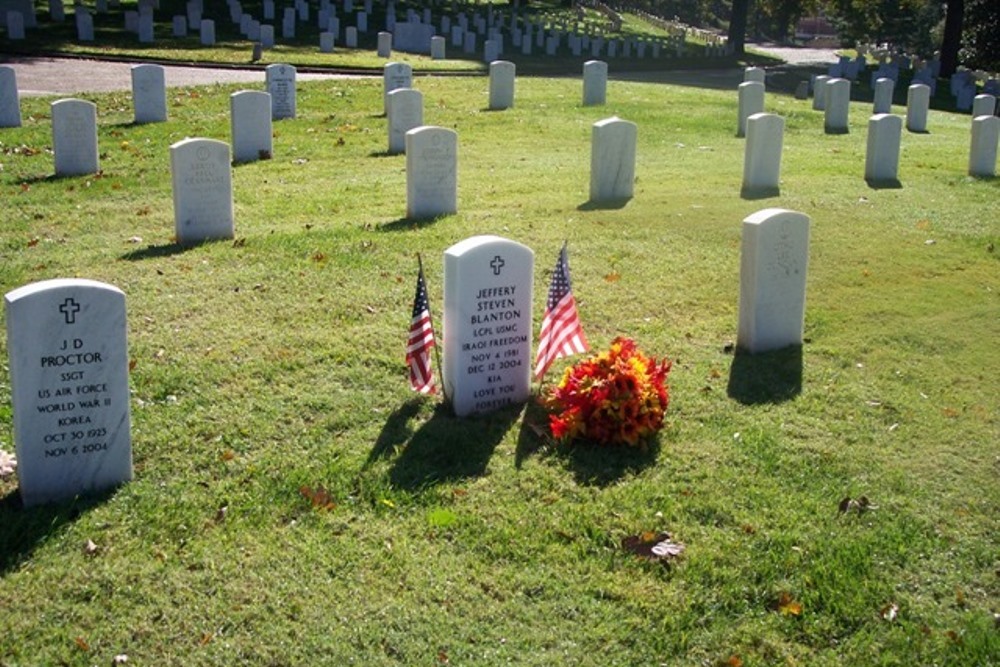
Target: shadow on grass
point(604, 205)
point(766, 377)
point(385, 154)
point(165, 250)
point(262, 155)
point(884, 183)
point(396, 430)
point(600, 465)
point(445, 448)
point(534, 434)
point(23, 530)
point(752, 194)
point(592, 464)
point(406, 224)
point(54, 178)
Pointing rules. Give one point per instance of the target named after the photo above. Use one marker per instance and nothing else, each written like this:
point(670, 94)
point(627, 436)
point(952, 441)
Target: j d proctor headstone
point(69, 381)
point(487, 323)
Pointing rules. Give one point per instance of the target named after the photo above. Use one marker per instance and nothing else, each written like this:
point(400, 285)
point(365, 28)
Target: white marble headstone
point(395, 75)
point(819, 92)
point(10, 107)
point(487, 323)
point(74, 137)
point(883, 95)
point(983, 147)
point(438, 46)
point(149, 93)
point(754, 74)
point(751, 101)
point(406, 112)
point(250, 124)
point(203, 190)
point(595, 82)
point(84, 24)
point(267, 36)
point(431, 172)
point(918, 99)
point(69, 382)
point(502, 75)
point(774, 257)
point(207, 32)
point(612, 160)
point(762, 157)
point(15, 26)
point(281, 85)
point(838, 101)
point(57, 11)
point(384, 45)
point(882, 148)
point(984, 105)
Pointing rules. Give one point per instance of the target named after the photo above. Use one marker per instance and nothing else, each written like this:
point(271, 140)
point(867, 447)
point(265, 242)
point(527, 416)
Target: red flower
point(616, 397)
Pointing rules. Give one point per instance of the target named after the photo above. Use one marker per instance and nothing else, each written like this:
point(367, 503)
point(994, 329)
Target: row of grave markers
point(417, 34)
point(69, 362)
point(764, 132)
point(67, 342)
point(613, 143)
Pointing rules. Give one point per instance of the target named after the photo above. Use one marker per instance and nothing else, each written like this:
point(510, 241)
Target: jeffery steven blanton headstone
point(203, 190)
point(69, 383)
point(487, 323)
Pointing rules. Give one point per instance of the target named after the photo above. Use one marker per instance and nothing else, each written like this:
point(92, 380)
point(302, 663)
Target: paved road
point(66, 76)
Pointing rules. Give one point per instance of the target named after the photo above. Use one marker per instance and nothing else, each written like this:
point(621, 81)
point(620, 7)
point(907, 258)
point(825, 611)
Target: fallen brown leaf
point(788, 606)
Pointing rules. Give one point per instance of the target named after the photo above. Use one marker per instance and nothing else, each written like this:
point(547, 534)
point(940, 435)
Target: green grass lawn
point(276, 362)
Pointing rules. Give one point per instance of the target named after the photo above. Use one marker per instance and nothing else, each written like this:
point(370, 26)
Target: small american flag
point(418, 347)
point(562, 334)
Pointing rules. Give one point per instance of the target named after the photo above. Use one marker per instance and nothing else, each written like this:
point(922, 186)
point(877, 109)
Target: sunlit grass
point(276, 363)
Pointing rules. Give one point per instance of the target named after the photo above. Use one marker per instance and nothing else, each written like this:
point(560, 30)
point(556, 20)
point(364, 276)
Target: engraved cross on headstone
point(497, 264)
point(70, 308)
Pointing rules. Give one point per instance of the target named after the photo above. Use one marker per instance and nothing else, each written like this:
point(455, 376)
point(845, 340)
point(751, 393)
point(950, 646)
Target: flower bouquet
point(617, 397)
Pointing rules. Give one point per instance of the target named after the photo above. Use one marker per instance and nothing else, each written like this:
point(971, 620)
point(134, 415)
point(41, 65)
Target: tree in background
point(951, 39)
point(904, 24)
point(981, 35)
point(738, 26)
point(774, 18)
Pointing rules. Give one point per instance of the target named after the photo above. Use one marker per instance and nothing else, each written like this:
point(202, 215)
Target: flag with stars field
point(421, 340)
point(562, 333)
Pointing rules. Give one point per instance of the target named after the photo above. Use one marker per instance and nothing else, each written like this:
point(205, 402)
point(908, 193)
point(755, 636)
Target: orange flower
point(616, 397)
